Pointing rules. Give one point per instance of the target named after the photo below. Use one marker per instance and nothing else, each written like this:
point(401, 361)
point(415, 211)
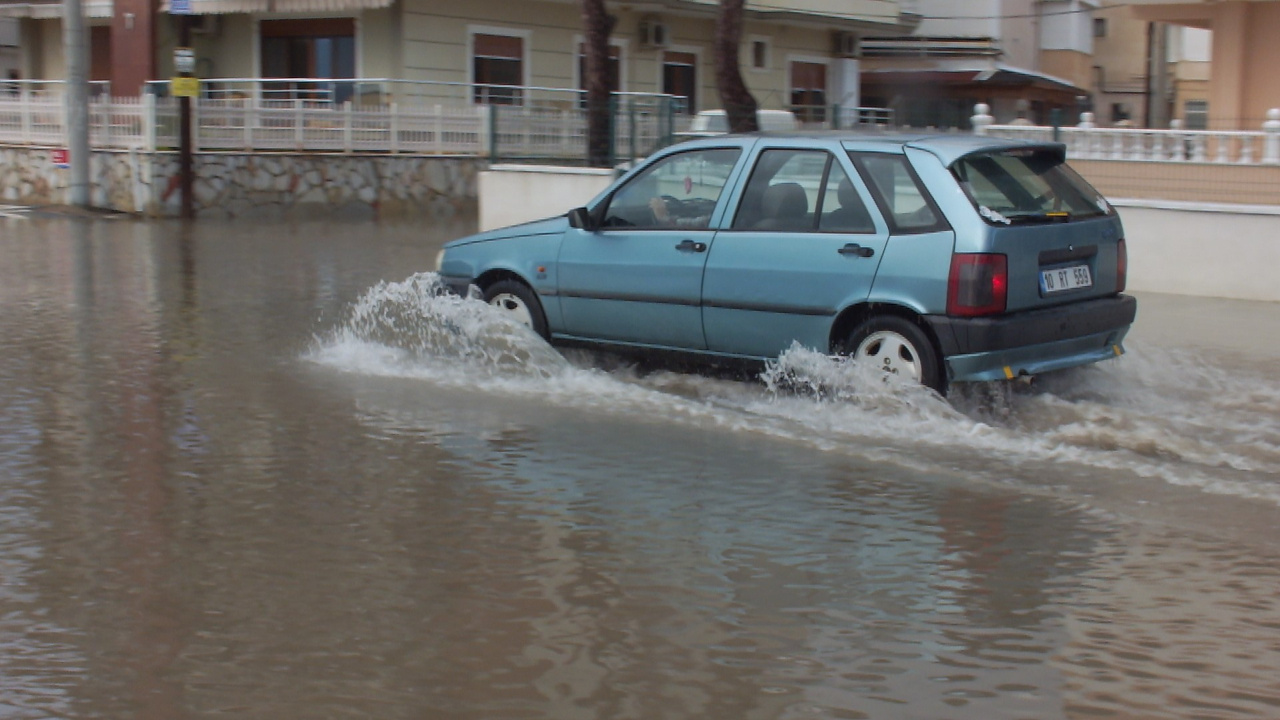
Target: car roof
point(947, 147)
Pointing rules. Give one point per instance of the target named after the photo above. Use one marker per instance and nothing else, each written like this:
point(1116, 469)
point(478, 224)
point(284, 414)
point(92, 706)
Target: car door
point(805, 242)
point(637, 276)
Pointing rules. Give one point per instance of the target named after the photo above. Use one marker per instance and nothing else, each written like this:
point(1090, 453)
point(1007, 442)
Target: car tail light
point(1122, 265)
point(978, 285)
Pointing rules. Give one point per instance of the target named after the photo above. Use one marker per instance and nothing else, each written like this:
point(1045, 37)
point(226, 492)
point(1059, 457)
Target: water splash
point(417, 325)
point(1157, 413)
point(804, 372)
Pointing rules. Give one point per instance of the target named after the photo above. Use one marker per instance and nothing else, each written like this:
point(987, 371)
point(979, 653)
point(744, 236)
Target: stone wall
point(233, 185)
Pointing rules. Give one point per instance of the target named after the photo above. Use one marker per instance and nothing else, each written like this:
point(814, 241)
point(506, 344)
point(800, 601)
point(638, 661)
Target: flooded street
point(266, 472)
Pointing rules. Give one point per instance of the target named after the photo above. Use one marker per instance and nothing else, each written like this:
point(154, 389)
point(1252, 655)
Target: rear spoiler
point(1056, 149)
point(962, 147)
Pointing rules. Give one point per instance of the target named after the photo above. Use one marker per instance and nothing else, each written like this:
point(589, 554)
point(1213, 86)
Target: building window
point(1099, 27)
point(100, 52)
point(759, 54)
point(314, 48)
point(680, 77)
point(497, 67)
point(1195, 115)
point(614, 71)
point(809, 91)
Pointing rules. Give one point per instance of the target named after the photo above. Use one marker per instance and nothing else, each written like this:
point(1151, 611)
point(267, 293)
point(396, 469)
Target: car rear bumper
point(1035, 341)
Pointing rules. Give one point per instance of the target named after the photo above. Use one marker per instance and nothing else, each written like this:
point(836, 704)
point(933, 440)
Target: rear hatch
point(1062, 240)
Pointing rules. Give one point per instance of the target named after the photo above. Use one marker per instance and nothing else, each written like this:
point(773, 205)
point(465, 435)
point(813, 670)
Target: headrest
point(846, 194)
point(785, 200)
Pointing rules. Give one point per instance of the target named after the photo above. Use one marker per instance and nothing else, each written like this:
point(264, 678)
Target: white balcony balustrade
point(1175, 145)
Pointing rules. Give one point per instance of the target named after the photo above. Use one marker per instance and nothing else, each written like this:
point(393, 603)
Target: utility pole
point(184, 86)
point(186, 175)
point(76, 100)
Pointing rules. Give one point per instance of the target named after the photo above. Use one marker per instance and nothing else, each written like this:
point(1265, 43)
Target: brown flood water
point(261, 472)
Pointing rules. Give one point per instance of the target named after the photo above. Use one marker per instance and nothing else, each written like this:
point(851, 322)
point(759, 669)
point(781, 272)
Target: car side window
point(679, 190)
point(899, 193)
point(801, 191)
point(842, 207)
point(784, 190)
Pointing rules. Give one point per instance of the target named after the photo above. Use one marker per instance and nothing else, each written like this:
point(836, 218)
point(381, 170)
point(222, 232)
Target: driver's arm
point(659, 208)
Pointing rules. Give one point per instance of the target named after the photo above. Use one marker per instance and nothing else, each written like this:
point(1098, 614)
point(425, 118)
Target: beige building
point(1123, 82)
point(1241, 82)
point(1149, 73)
point(10, 53)
point(1025, 58)
point(795, 52)
point(1190, 66)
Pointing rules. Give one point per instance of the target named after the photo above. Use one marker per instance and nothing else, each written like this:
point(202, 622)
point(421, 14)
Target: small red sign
point(61, 157)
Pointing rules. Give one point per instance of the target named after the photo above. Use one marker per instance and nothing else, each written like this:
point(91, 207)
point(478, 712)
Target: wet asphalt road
point(262, 472)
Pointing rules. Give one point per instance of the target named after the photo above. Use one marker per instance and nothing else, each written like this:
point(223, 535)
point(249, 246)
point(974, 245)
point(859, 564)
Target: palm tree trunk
point(597, 24)
point(739, 105)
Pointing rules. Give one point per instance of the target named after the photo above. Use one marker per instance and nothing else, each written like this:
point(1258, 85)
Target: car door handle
point(691, 246)
point(856, 249)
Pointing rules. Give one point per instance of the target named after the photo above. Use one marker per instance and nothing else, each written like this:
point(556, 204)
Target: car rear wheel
point(519, 300)
point(897, 346)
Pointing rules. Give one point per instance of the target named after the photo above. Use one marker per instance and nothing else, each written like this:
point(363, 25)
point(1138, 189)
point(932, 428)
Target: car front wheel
point(519, 300)
point(898, 346)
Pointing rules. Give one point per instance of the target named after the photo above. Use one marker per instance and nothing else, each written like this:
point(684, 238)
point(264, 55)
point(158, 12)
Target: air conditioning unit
point(653, 33)
point(845, 44)
point(204, 24)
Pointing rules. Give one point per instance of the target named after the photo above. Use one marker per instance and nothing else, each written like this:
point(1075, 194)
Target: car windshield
point(1027, 185)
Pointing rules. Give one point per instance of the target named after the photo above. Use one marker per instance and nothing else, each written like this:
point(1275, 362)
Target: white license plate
point(1066, 278)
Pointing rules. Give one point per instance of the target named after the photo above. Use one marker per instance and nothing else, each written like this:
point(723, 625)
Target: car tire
point(898, 346)
point(521, 302)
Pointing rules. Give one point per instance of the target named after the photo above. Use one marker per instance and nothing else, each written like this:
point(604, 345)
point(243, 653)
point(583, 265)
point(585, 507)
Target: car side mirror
point(580, 218)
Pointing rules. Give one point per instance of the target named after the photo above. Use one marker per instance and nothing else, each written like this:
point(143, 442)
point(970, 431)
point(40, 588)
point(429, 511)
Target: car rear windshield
point(1027, 185)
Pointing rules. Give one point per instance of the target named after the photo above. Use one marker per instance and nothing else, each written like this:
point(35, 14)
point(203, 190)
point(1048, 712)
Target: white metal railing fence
point(386, 91)
point(1088, 142)
point(369, 115)
point(342, 116)
point(245, 124)
point(826, 117)
point(32, 118)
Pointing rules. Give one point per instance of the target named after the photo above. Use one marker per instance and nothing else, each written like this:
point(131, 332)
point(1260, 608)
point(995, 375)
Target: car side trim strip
point(621, 297)
point(750, 307)
point(777, 309)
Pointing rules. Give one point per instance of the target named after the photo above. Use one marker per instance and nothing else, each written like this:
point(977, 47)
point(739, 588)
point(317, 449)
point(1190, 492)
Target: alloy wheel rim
point(512, 304)
point(890, 352)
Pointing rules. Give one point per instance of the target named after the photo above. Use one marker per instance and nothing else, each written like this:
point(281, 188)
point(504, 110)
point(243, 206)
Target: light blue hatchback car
point(944, 258)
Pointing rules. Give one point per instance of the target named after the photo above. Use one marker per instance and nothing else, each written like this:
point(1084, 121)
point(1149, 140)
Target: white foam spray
point(1162, 414)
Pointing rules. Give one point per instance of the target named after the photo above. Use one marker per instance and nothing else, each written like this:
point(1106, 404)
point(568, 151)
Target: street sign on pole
point(187, 87)
point(184, 60)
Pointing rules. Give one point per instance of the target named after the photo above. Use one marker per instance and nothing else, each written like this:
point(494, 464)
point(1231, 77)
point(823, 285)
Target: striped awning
point(222, 7)
point(50, 10)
